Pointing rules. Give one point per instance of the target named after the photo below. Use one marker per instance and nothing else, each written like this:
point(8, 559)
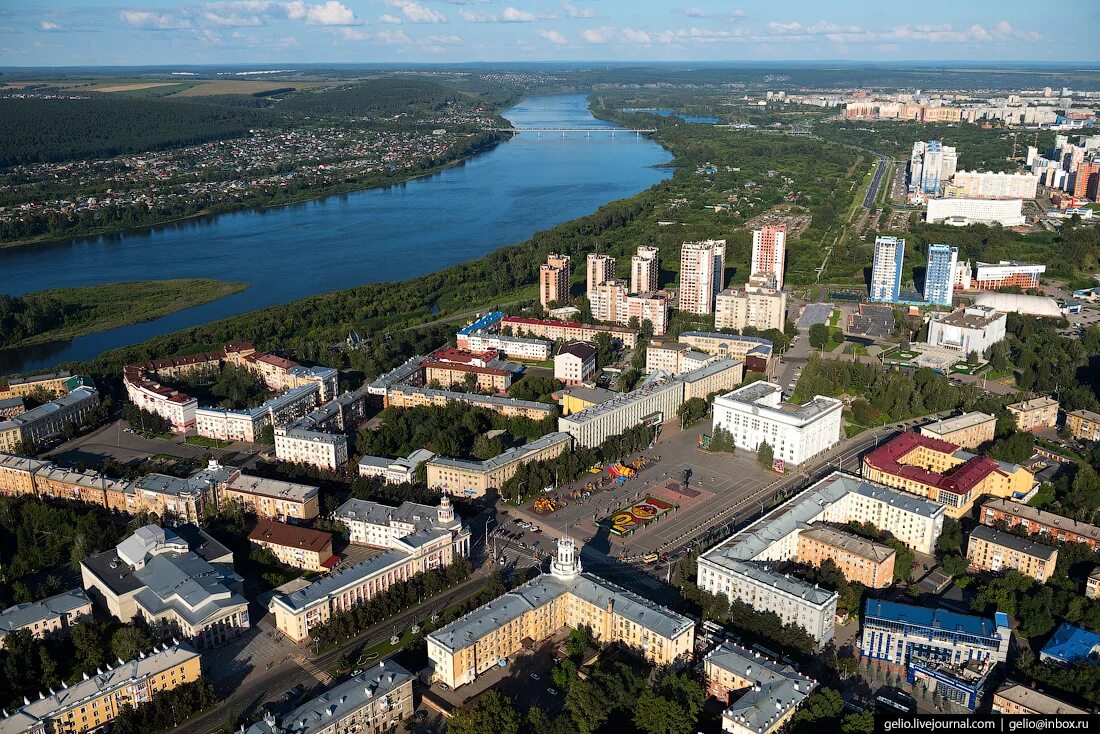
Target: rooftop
point(291, 536)
point(937, 619)
point(324, 588)
point(1014, 542)
point(1042, 517)
point(483, 323)
point(509, 456)
point(1033, 404)
point(774, 688)
point(594, 395)
point(58, 605)
point(890, 458)
point(275, 488)
point(971, 317)
point(579, 349)
point(958, 423)
point(45, 410)
point(12, 462)
point(767, 396)
point(1034, 700)
point(853, 544)
point(1071, 645)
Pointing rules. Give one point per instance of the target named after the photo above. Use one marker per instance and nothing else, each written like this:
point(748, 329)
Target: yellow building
point(475, 478)
point(78, 486)
point(11, 437)
point(575, 399)
point(1015, 699)
point(991, 550)
point(860, 560)
point(969, 430)
point(407, 396)
point(271, 497)
point(17, 474)
point(761, 695)
point(1084, 425)
point(46, 616)
point(56, 384)
point(943, 473)
point(98, 700)
point(1035, 414)
point(564, 598)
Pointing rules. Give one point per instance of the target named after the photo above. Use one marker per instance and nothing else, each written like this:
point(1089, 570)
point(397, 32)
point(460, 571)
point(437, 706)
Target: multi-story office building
point(656, 401)
point(1007, 274)
point(961, 212)
point(568, 331)
point(953, 654)
point(156, 574)
point(564, 598)
point(756, 306)
point(769, 253)
point(382, 526)
point(743, 568)
point(1014, 699)
point(968, 329)
point(98, 700)
point(575, 363)
point(991, 550)
point(300, 444)
point(310, 550)
point(714, 378)
point(55, 383)
point(993, 185)
point(408, 396)
point(645, 270)
point(375, 700)
point(969, 430)
point(600, 269)
point(944, 473)
point(274, 498)
point(674, 357)
point(931, 164)
point(702, 265)
point(394, 471)
point(1035, 521)
point(755, 414)
point(860, 560)
point(554, 279)
point(513, 347)
point(1084, 425)
point(463, 477)
point(46, 616)
point(886, 269)
point(760, 695)
point(755, 352)
point(39, 426)
point(1035, 414)
point(939, 276)
point(299, 611)
point(448, 374)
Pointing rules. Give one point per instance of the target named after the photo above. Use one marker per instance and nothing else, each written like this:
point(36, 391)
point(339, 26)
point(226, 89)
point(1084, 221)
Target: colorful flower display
point(629, 519)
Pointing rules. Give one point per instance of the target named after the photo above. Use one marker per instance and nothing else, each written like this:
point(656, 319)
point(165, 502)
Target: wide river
point(526, 184)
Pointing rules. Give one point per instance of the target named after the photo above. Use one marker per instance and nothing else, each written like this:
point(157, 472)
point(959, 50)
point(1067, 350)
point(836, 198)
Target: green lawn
point(965, 368)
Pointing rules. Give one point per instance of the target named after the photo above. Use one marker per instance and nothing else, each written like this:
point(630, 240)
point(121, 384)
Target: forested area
point(372, 97)
point(37, 130)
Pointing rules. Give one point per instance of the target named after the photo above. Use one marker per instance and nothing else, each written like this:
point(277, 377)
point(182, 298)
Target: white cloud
point(231, 19)
point(515, 15)
point(574, 12)
point(415, 12)
point(476, 16)
point(49, 25)
point(331, 12)
point(553, 37)
point(347, 33)
point(390, 19)
point(631, 35)
point(150, 21)
point(445, 40)
point(598, 35)
point(692, 12)
point(392, 37)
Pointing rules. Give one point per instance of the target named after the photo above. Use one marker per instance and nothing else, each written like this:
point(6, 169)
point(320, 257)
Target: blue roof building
point(1071, 645)
point(483, 323)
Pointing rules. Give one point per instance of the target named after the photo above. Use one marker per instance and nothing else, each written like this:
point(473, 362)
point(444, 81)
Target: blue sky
point(142, 32)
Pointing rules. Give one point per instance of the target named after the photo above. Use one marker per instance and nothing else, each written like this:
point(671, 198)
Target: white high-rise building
point(601, 269)
point(886, 269)
point(993, 185)
point(645, 270)
point(961, 212)
point(931, 164)
point(701, 270)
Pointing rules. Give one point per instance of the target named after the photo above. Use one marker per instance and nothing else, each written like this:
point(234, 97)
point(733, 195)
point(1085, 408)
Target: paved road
point(869, 199)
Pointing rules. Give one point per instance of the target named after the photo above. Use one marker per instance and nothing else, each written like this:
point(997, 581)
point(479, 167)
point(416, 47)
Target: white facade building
point(969, 329)
point(961, 212)
point(990, 185)
point(301, 445)
point(394, 471)
point(702, 265)
point(754, 414)
point(513, 347)
point(575, 363)
point(382, 526)
point(759, 307)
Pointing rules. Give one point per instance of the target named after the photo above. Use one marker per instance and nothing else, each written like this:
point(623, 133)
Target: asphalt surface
point(869, 199)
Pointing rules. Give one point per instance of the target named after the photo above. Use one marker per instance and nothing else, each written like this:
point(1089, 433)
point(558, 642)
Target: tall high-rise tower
point(701, 269)
point(554, 279)
point(939, 277)
point(769, 252)
point(886, 270)
point(601, 269)
point(645, 270)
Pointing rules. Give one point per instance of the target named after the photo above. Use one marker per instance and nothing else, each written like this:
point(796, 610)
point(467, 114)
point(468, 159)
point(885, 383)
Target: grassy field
point(233, 86)
point(102, 307)
point(132, 87)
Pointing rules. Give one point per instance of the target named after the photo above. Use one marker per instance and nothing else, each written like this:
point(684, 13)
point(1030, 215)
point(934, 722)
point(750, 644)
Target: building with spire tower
point(562, 599)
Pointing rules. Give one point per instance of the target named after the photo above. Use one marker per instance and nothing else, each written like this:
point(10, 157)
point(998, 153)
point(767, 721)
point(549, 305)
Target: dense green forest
point(37, 130)
point(372, 97)
point(65, 313)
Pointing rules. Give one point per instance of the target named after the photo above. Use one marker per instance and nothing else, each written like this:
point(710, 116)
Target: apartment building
point(952, 654)
point(166, 579)
point(17, 474)
point(564, 598)
point(568, 331)
point(931, 164)
point(861, 561)
point(971, 329)
point(769, 253)
point(54, 383)
point(702, 267)
point(394, 471)
point(1035, 521)
point(46, 616)
point(969, 430)
point(939, 274)
point(656, 401)
point(513, 347)
point(10, 406)
point(1035, 414)
point(375, 700)
point(992, 550)
point(39, 426)
point(760, 695)
point(1015, 699)
point(554, 279)
point(757, 306)
point(743, 568)
point(1007, 274)
point(463, 477)
point(674, 357)
point(274, 498)
point(299, 444)
point(304, 548)
point(1084, 425)
point(406, 396)
point(611, 301)
point(226, 424)
point(173, 499)
point(756, 414)
point(943, 473)
point(98, 700)
point(961, 212)
point(645, 270)
point(448, 374)
point(299, 611)
point(575, 363)
point(886, 269)
point(382, 526)
point(599, 270)
point(755, 352)
point(992, 185)
point(1092, 584)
